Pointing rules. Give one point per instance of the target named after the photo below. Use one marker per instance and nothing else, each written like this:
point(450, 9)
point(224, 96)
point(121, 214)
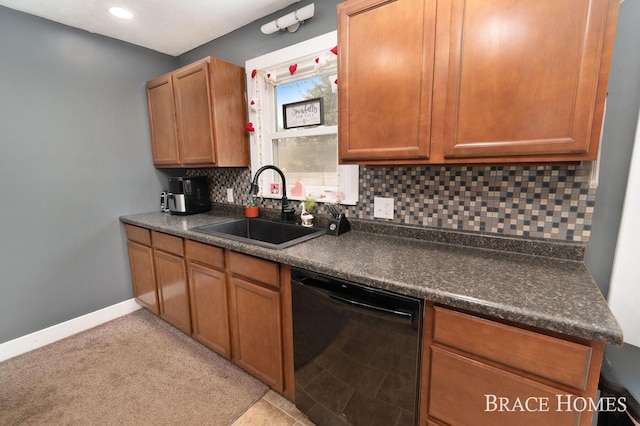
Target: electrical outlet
point(230, 195)
point(383, 207)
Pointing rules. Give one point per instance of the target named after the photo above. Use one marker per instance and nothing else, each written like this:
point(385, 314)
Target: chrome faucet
point(287, 210)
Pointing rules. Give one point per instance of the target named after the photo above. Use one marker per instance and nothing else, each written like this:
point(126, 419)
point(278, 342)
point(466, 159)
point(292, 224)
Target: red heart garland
point(317, 60)
point(253, 103)
point(293, 68)
point(335, 50)
point(336, 81)
point(249, 127)
point(253, 73)
point(268, 75)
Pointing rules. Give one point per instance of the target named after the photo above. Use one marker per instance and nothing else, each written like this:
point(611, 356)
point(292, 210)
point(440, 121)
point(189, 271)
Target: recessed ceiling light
point(120, 12)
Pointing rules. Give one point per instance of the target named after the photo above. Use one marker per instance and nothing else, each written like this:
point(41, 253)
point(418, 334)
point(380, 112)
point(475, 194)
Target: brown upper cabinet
point(460, 81)
point(385, 81)
point(197, 116)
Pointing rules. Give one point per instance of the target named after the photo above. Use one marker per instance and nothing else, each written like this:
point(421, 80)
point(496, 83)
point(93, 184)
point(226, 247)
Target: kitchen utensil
point(338, 223)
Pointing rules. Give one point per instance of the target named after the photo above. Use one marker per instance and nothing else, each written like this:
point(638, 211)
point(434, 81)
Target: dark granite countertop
point(544, 292)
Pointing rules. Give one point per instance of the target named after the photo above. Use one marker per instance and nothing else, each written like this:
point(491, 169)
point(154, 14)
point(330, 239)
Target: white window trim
point(276, 65)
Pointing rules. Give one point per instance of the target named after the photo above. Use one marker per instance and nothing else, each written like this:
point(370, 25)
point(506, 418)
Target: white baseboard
point(56, 332)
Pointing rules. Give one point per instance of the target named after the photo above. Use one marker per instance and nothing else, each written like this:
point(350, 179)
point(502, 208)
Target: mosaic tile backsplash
point(551, 202)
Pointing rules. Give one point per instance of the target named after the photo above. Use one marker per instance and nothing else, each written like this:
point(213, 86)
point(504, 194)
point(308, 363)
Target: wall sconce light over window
point(290, 22)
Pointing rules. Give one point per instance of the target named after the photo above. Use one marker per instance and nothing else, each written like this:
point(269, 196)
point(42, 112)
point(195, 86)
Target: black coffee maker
point(189, 195)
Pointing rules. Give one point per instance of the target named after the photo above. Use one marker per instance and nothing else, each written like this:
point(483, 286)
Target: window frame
point(264, 73)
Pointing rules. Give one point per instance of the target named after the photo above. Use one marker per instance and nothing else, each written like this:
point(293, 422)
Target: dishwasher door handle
point(394, 315)
point(397, 316)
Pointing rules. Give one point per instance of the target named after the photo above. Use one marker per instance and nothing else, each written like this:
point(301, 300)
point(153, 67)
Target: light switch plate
point(383, 207)
point(230, 195)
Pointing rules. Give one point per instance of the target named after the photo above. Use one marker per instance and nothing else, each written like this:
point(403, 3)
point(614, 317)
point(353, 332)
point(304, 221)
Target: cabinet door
point(524, 78)
point(256, 331)
point(229, 108)
point(209, 310)
point(172, 290)
point(462, 393)
point(193, 109)
point(162, 121)
point(143, 277)
point(385, 83)
point(561, 361)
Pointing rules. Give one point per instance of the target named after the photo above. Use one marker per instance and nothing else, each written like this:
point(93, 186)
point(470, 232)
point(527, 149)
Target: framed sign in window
point(309, 112)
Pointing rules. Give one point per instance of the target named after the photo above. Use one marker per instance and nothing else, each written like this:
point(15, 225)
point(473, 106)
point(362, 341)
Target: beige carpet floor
point(134, 370)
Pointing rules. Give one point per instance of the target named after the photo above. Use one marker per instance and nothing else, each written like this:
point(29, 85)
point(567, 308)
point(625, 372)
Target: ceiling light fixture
point(290, 22)
point(121, 13)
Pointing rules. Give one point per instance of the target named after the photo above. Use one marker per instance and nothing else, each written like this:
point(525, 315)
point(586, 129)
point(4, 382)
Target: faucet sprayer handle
point(287, 210)
point(255, 188)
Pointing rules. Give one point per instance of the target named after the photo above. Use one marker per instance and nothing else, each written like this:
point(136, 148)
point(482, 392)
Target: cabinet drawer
point(137, 234)
point(463, 390)
point(205, 254)
point(259, 270)
point(549, 357)
point(167, 243)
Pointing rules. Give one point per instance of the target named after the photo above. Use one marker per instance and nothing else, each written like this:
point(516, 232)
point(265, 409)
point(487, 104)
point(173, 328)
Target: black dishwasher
point(356, 352)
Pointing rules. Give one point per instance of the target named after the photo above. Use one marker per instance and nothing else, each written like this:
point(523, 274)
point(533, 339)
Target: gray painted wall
point(75, 155)
point(623, 103)
point(248, 42)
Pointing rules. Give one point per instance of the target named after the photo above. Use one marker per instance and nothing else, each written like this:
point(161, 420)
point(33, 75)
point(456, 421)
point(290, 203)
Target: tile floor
point(273, 410)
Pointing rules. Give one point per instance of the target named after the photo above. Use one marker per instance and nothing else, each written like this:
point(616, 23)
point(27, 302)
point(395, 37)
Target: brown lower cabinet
point(171, 278)
point(256, 325)
point(256, 330)
point(142, 270)
point(209, 296)
point(237, 305)
point(474, 370)
point(478, 371)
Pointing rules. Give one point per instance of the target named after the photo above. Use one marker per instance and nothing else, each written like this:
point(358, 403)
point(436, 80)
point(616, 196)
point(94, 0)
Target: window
point(299, 77)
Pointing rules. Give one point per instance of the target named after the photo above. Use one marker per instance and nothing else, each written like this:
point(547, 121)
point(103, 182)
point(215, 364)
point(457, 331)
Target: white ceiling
point(168, 26)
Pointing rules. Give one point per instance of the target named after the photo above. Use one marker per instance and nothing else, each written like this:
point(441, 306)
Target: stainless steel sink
point(261, 232)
